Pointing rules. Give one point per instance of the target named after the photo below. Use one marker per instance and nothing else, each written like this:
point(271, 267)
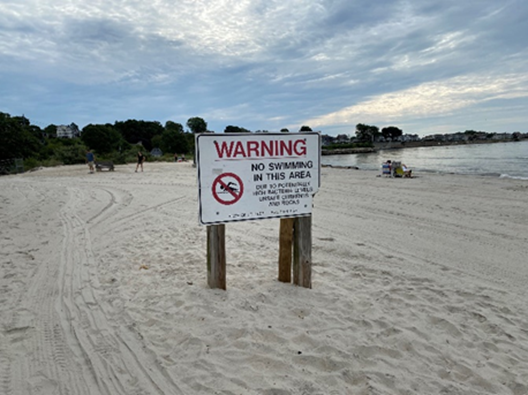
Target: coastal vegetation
point(370, 137)
point(119, 142)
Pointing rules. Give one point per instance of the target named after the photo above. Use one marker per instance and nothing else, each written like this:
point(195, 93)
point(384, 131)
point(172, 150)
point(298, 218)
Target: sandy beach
point(420, 286)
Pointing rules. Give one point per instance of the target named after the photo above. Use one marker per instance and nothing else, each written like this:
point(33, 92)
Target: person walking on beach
point(140, 160)
point(90, 159)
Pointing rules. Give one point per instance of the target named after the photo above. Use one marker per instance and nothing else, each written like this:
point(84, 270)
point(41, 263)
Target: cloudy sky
point(425, 66)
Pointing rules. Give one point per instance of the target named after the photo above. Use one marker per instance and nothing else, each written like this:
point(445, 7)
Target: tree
point(197, 125)
point(18, 138)
point(305, 128)
point(284, 130)
point(391, 132)
point(343, 139)
point(134, 131)
point(70, 154)
point(68, 151)
point(156, 142)
point(366, 133)
point(102, 138)
point(174, 138)
point(51, 130)
point(174, 127)
point(235, 129)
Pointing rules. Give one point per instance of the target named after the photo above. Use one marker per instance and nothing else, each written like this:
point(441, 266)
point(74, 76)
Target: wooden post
point(216, 256)
point(302, 252)
point(285, 249)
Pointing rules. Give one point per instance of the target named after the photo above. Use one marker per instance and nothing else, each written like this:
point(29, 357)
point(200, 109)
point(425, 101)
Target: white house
point(156, 152)
point(68, 131)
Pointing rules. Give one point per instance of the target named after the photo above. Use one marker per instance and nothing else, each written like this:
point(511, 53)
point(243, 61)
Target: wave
point(513, 177)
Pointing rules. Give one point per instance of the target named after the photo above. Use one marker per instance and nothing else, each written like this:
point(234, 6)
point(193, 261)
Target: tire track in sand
point(34, 330)
point(114, 356)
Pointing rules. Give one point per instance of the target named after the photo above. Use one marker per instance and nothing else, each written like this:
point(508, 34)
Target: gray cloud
point(267, 64)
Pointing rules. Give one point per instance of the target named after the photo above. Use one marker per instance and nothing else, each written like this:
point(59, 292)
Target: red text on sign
point(260, 149)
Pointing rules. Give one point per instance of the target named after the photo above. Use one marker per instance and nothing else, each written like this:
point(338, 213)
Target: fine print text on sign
point(244, 177)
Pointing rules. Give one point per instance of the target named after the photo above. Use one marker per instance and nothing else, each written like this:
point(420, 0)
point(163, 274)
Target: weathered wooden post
point(285, 249)
point(216, 256)
point(302, 252)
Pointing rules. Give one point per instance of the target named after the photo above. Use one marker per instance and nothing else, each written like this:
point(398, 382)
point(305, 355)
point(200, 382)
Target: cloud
point(429, 99)
point(262, 64)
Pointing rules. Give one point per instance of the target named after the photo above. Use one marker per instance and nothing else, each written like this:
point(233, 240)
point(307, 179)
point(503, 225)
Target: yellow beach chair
point(401, 170)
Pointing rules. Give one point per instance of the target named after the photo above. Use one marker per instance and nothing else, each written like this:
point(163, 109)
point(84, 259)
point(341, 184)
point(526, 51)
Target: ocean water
point(497, 159)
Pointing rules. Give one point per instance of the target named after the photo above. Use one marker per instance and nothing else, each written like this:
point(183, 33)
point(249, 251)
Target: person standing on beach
point(90, 159)
point(140, 160)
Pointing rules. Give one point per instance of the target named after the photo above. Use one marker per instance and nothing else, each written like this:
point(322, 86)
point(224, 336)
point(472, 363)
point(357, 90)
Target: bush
point(32, 163)
point(163, 158)
point(51, 163)
point(70, 155)
point(119, 158)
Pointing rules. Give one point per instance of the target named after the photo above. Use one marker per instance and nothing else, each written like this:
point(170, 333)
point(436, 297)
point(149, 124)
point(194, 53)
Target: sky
point(424, 66)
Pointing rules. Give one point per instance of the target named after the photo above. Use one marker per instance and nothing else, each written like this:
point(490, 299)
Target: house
point(406, 138)
point(156, 152)
point(68, 131)
point(342, 139)
point(457, 137)
point(327, 140)
point(502, 136)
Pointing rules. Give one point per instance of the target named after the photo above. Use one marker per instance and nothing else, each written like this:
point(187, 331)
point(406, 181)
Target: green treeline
point(118, 142)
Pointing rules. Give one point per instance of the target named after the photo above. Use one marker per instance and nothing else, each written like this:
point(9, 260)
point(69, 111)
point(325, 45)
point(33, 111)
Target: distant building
point(434, 137)
point(405, 138)
point(68, 131)
point(342, 139)
point(156, 152)
point(502, 136)
point(327, 140)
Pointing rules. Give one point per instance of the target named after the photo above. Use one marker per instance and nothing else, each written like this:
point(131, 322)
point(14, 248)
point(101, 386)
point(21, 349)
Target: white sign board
point(247, 176)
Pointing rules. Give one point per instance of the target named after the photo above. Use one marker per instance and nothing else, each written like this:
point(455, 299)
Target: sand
point(419, 287)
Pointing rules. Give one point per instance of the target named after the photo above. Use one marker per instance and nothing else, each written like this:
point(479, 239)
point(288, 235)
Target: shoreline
point(410, 144)
point(495, 160)
point(430, 172)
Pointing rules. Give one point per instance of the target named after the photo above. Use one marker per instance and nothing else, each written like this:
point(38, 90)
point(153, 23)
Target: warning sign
point(247, 176)
point(228, 188)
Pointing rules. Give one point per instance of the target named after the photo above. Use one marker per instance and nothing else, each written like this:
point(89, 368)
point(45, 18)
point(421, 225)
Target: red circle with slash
point(227, 188)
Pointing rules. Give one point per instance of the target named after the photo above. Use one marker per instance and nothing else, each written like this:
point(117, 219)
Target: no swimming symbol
point(228, 188)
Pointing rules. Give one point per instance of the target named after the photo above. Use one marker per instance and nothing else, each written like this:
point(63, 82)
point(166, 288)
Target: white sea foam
point(513, 177)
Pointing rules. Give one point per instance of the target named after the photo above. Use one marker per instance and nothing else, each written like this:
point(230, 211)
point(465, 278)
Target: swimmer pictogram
point(227, 188)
